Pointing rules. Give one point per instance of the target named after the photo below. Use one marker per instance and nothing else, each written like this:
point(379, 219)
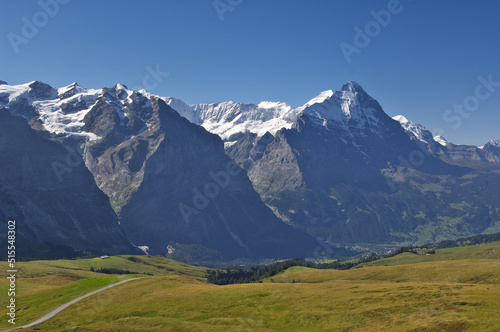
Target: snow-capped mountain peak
point(61, 111)
point(10, 93)
point(228, 119)
point(120, 86)
point(29, 91)
point(350, 107)
point(40, 90)
point(320, 98)
point(70, 90)
point(441, 140)
point(495, 143)
point(491, 144)
point(419, 131)
point(63, 108)
point(119, 92)
point(401, 119)
point(352, 86)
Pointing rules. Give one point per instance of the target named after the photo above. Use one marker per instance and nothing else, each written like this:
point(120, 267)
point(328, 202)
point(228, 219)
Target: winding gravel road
point(64, 306)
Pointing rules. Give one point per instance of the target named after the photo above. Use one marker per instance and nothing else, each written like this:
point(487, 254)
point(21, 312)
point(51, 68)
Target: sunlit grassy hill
point(477, 264)
point(456, 289)
point(42, 286)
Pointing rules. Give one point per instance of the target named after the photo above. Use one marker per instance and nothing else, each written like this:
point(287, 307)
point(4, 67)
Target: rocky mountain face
point(348, 173)
point(168, 180)
point(52, 197)
point(231, 120)
point(192, 193)
point(492, 147)
point(229, 180)
point(441, 147)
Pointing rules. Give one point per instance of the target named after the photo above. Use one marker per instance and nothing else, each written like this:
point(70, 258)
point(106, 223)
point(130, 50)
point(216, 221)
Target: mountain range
point(113, 170)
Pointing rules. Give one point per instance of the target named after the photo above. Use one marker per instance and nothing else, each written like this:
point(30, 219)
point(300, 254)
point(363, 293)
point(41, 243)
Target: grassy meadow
point(457, 289)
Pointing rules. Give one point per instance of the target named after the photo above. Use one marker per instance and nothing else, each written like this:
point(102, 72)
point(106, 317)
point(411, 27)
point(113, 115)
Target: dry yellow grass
point(42, 286)
point(179, 303)
point(461, 294)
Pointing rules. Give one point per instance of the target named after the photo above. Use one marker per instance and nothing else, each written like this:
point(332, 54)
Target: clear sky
point(427, 58)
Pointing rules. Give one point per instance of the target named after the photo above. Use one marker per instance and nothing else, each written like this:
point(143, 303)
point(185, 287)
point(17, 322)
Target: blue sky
point(425, 60)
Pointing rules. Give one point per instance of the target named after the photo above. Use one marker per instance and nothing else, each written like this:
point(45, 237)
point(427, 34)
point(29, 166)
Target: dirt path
point(64, 306)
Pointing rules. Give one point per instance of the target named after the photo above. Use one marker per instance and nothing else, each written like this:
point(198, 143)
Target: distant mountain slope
point(193, 193)
point(230, 120)
point(169, 181)
point(337, 168)
point(348, 173)
point(51, 195)
point(441, 147)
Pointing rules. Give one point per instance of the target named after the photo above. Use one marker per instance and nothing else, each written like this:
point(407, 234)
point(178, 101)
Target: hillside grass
point(147, 265)
point(457, 289)
point(42, 286)
point(484, 251)
point(179, 303)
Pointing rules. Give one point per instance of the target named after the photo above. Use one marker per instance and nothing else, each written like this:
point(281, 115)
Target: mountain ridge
point(333, 173)
point(151, 164)
point(218, 118)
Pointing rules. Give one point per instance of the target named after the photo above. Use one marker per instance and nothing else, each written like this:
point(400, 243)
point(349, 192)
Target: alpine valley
point(115, 171)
